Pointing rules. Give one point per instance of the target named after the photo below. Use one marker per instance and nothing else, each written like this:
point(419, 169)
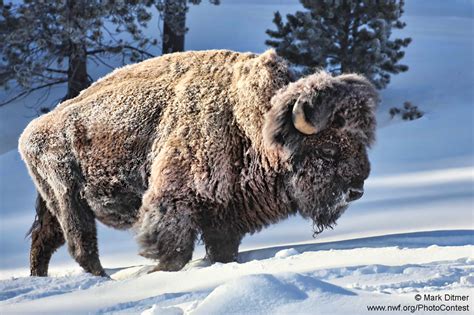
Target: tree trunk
point(174, 26)
point(345, 39)
point(78, 78)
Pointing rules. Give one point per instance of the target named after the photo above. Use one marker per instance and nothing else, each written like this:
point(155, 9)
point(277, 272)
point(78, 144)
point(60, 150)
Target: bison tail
point(41, 210)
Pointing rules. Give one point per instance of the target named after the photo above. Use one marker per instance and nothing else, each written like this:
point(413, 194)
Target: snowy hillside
point(412, 232)
point(332, 278)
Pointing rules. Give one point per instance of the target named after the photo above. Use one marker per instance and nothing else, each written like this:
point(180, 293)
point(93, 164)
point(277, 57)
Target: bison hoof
point(155, 269)
point(100, 273)
point(168, 266)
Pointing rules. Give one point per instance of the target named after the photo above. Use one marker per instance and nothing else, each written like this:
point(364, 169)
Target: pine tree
point(343, 36)
point(407, 112)
point(46, 43)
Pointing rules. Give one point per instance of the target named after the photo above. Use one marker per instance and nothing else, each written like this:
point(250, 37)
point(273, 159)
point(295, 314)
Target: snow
point(314, 280)
point(284, 253)
point(412, 232)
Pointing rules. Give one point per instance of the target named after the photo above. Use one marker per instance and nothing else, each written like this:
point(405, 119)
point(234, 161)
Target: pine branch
point(56, 70)
point(29, 91)
point(143, 52)
point(98, 59)
point(118, 48)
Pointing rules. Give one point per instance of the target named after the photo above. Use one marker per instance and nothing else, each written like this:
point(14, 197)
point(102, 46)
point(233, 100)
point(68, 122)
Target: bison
point(212, 144)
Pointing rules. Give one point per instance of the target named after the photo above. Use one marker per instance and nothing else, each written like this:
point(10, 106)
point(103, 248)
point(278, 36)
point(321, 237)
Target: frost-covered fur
point(194, 143)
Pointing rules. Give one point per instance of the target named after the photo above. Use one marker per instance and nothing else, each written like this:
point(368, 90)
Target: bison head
point(321, 126)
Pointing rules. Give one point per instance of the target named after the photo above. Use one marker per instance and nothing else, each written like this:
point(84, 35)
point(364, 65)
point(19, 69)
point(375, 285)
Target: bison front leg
point(222, 245)
point(168, 236)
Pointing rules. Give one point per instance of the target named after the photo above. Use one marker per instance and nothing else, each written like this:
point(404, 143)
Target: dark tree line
point(47, 43)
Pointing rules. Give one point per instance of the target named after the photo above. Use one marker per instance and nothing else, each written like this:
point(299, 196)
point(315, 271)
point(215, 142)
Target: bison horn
point(300, 121)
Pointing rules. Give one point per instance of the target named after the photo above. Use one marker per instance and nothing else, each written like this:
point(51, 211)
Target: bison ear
point(311, 116)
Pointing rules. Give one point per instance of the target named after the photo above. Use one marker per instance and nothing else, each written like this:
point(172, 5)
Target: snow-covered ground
point(345, 277)
point(422, 185)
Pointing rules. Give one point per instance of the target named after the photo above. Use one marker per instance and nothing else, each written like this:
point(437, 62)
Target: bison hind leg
point(58, 177)
point(79, 226)
point(46, 238)
point(74, 216)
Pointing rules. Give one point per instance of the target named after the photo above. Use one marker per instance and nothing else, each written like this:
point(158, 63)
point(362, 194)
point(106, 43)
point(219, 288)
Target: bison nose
point(354, 194)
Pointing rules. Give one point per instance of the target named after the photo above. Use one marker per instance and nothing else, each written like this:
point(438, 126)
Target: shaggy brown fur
point(195, 143)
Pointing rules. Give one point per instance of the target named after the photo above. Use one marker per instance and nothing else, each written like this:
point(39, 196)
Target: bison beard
point(215, 144)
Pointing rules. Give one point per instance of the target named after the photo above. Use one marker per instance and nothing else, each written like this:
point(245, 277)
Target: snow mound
point(249, 295)
point(314, 285)
point(284, 253)
point(266, 294)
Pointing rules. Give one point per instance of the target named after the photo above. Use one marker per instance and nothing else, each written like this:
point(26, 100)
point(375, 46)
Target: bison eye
point(329, 151)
